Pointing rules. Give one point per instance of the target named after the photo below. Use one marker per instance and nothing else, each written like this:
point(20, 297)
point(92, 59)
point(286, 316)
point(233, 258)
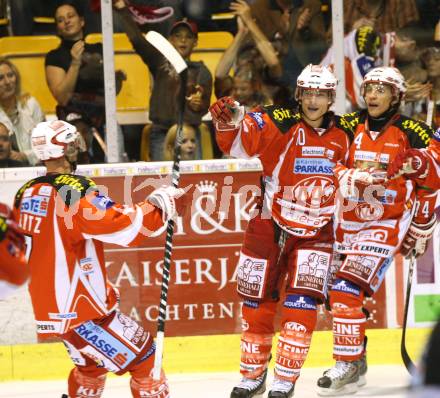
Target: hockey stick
point(409, 364)
point(429, 111)
point(175, 59)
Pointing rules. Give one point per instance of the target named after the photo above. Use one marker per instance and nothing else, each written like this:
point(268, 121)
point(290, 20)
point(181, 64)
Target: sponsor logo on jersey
point(314, 192)
point(313, 166)
point(36, 205)
point(102, 202)
point(312, 270)
point(375, 235)
point(300, 302)
point(258, 117)
point(297, 327)
point(369, 212)
point(360, 266)
point(281, 114)
point(45, 190)
point(313, 150)
point(341, 285)
point(317, 151)
point(374, 249)
point(48, 327)
point(368, 156)
point(28, 192)
point(436, 134)
point(388, 197)
point(86, 265)
point(251, 275)
point(105, 343)
point(71, 181)
point(68, 315)
point(251, 303)
point(420, 130)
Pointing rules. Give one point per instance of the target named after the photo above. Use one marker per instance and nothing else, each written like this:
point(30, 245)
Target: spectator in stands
point(246, 84)
point(6, 154)
point(74, 73)
point(19, 112)
point(361, 51)
point(163, 102)
point(300, 27)
point(431, 60)
point(188, 148)
point(408, 61)
point(24, 12)
point(382, 15)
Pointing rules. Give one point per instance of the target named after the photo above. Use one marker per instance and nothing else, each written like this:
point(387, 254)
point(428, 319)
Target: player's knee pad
point(87, 383)
point(147, 387)
point(298, 322)
point(349, 320)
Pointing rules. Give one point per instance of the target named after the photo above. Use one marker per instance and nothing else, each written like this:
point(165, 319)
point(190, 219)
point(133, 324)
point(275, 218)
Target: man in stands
point(163, 108)
point(375, 219)
point(14, 271)
point(292, 233)
point(66, 220)
point(7, 158)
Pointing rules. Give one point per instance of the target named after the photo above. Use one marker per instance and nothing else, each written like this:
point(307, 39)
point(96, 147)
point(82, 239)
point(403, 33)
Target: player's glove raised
point(417, 238)
point(227, 113)
point(166, 198)
point(412, 164)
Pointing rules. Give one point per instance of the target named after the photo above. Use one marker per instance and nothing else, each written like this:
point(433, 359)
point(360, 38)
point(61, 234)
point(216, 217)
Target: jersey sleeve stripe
point(125, 236)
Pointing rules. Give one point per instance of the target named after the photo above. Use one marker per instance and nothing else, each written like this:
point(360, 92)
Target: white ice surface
point(382, 382)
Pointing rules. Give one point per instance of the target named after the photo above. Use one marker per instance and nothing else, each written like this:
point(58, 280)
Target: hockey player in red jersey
point(374, 219)
point(66, 220)
point(14, 271)
point(420, 165)
point(292, 234)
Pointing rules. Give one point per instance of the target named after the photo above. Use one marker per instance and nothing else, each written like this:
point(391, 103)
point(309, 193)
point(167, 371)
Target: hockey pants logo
point(85, 392)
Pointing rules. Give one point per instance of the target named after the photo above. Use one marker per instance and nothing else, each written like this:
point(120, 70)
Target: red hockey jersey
point(66, 220)
point(297, 161)
point(385, 220)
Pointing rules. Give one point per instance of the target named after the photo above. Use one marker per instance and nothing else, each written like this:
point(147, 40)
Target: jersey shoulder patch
point(345, 126)
point(349, 121)
point(70, 187)
point(419, 133)
point(283, 118)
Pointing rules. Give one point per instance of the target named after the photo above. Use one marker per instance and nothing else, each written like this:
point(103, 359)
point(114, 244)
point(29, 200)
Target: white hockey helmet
point(386, 75)
point(316, 77)
point(50, 139)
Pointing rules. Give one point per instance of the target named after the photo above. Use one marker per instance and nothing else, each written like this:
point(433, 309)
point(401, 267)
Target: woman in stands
point(19, 112)
point(188, 147)
point(74, 74)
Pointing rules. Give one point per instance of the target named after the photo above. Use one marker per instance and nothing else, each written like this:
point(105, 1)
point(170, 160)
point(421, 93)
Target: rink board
point(197, 354)
point(207, 240)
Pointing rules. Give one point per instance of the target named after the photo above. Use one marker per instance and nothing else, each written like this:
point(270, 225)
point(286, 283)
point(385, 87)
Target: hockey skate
point(248, 388)
point(281, 389)
point(342, 379)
